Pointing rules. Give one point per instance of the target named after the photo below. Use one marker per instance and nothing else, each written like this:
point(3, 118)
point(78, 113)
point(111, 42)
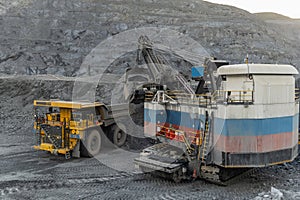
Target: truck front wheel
point(92, 143)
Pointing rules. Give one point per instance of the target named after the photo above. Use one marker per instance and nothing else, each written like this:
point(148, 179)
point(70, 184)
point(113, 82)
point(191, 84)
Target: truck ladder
point(51, 138)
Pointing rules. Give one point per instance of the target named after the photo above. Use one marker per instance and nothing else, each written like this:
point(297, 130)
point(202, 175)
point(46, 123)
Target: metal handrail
point(219, 96)
point(235, 96)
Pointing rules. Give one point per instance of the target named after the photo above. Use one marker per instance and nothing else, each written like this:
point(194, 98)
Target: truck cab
point(74, 128)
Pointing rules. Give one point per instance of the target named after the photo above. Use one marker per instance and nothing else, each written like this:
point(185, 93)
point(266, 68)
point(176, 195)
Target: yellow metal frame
point(50, 147)
point(66, 104)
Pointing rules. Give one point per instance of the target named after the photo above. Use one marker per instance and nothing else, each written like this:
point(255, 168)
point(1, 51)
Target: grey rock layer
point(54, 36)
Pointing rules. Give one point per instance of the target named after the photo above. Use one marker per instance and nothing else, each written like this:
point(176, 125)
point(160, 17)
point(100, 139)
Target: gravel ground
point(36, 175)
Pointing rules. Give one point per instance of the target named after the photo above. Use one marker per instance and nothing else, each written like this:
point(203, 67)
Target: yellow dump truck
point(75, 128)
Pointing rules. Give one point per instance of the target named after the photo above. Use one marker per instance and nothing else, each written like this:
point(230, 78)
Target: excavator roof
point(67, 104)
point(257, 69)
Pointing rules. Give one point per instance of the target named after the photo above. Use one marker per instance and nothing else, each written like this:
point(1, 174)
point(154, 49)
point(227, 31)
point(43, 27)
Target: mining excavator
point(239, 117)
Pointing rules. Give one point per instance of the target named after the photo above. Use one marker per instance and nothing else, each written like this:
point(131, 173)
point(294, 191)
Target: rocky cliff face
point(54, 36)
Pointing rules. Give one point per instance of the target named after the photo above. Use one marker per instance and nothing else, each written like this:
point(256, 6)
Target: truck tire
point(118, 136)
point(92, 143)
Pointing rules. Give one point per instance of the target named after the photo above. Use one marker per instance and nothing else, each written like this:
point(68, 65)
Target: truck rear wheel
point(92, 143)
point(119, 136)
